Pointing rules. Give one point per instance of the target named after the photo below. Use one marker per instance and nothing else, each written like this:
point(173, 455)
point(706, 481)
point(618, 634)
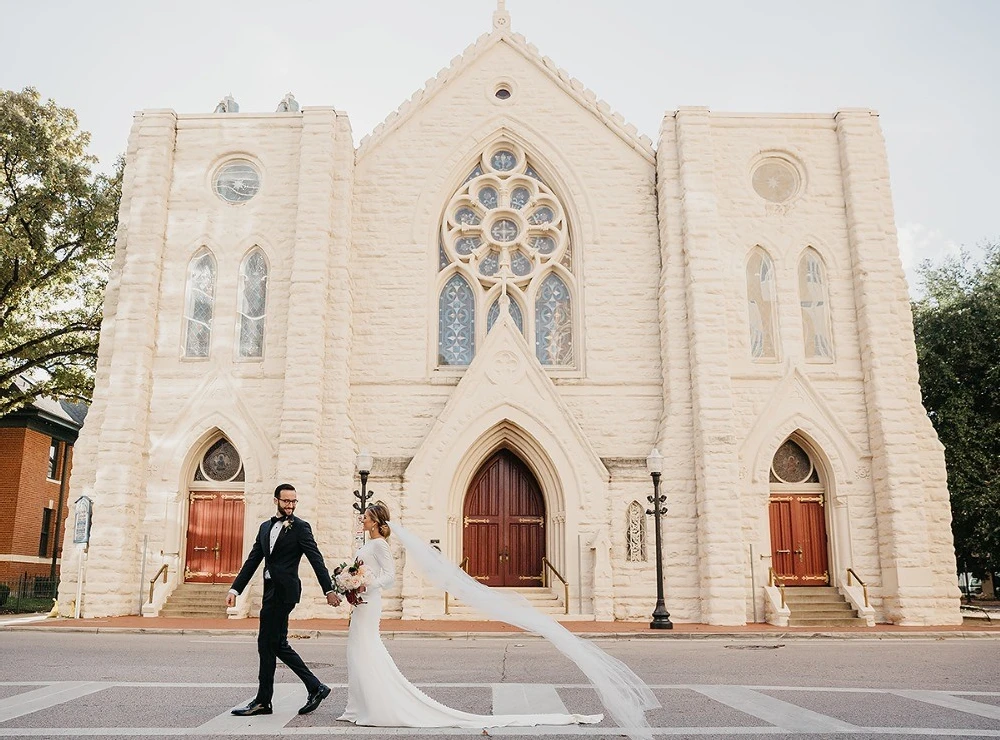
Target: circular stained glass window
point(466, 244)
point(775, 180)
point(467, 217)
point(489, 197)
point(544, 244)
point(221, 462)
point(237, 181)
point(503, 161)
point(504, 230)
point(791, 464)
point(543, 215)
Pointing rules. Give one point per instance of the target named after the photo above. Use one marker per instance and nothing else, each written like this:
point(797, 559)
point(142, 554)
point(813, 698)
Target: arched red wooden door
point(798, 518)
point(504, 524)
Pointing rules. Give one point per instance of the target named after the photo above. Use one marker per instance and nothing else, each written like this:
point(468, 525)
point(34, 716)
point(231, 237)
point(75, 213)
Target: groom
point(281, 542)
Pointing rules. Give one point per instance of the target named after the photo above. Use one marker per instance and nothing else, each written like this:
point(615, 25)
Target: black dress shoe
point(315, 698)
point(255, 707)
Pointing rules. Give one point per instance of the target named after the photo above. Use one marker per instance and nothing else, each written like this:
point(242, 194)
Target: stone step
point(196, 600)
point(832, 622)
point(810, 609)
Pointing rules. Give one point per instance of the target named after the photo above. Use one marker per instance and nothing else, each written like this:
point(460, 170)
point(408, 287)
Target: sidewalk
point(461, 629)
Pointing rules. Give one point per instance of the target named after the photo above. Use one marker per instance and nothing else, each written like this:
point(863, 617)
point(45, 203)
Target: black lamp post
point(654, 464)
point(363, 464)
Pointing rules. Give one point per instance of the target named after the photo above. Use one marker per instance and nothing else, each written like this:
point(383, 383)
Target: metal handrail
point(464, 565)
point(773, 577)
point(545, 582)
point(864, 586)
point(152, 581)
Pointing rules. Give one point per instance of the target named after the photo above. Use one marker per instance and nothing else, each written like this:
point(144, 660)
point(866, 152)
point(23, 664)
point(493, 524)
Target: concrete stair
point(199, 600)
point(541, 599)
point(820, 606)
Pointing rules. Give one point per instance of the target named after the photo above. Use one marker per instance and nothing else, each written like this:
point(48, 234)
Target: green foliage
point(57, 238)
point(957, 327)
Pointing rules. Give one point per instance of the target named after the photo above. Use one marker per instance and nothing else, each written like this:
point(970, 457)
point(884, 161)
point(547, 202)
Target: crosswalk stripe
point(47, 696)
point(527, 698)
point(284, 704)
point(779, 713)
point(951, 702)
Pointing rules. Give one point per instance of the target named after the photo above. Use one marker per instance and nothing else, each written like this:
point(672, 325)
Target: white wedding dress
point(378, 695)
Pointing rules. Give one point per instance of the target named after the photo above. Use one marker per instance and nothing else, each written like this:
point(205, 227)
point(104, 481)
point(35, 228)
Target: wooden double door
point(503, 533)
point(214, 536)
point(798, 539)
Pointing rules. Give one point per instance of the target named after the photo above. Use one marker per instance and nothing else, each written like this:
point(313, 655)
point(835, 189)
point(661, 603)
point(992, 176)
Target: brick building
point(36, 456)
point(510, 296)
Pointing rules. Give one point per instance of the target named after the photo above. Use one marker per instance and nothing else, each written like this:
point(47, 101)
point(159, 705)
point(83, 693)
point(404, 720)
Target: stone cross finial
point(288, 104)
point(227, 105)
point(501, 18)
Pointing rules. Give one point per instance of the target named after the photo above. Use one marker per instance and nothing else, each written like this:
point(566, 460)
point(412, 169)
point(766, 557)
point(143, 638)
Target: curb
point(471, 635)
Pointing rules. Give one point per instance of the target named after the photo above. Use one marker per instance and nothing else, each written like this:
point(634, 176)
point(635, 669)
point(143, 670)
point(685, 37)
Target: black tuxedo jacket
point(282, 562)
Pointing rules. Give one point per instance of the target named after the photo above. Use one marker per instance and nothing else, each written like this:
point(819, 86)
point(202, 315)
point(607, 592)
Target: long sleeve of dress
point(385, 567)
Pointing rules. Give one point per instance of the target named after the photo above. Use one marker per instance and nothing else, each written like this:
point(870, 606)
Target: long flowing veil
point(624, 694)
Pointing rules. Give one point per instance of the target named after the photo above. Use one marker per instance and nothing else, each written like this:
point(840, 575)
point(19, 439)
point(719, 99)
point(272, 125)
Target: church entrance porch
point(503, 525)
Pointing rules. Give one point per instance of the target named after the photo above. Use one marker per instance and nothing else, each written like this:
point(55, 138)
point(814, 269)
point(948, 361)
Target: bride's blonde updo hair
point(380, 513)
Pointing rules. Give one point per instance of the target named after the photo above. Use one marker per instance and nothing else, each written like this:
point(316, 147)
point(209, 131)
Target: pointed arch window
point(762, 306)
point(635, 533)
point(814, 300)
point(456, 322)
point(199, 305)
point(253, 304)
point(505, 227)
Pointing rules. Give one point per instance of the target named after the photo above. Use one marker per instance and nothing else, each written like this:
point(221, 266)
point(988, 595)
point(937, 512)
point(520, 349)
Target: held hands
point(333, 599)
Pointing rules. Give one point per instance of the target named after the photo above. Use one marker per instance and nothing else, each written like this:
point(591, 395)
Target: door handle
point(784, 552)
point(217, 548)
point(798, 551)
point(200, 549)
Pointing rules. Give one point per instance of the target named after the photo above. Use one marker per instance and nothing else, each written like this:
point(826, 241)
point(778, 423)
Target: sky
point(931, 70)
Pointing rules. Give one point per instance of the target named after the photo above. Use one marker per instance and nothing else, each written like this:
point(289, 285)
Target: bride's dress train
point(378, 695)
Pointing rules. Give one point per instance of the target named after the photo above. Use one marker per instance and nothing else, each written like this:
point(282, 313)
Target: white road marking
point(780, 713)
point(786, 718)
point(48, 696)
point(527, 698)
point(948, 701)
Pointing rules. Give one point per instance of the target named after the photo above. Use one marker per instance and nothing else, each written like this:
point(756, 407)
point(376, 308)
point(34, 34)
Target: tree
point(957, 325)
point(57, 238)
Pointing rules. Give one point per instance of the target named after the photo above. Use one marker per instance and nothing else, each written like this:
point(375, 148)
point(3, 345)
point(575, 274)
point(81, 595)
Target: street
point(59, 685)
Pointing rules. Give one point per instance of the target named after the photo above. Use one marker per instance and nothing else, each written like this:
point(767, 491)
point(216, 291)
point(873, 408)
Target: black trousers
point(272, 644)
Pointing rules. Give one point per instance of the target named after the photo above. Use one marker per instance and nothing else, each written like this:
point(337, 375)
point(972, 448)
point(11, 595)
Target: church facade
point(510, 297)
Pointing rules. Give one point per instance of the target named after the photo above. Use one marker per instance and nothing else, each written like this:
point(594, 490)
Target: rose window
point(505, 230)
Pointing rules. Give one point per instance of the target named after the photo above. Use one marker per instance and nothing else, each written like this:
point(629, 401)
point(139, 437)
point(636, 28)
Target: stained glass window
point(513, 309)
point(792, 464)
point(507, 227)
point(221, 462)
point(456, 323)
point(762, 306)
point(199, 305)
point(553, 323)
point(253, 304)
point(814, 301)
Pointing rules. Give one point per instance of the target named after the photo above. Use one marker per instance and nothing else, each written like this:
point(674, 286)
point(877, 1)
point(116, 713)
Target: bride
point(379, 695)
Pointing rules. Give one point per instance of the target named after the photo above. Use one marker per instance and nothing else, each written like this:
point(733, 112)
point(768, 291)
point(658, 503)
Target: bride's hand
point(361, 589)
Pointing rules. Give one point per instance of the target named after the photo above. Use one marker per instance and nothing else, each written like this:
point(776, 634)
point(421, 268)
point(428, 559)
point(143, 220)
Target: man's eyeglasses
point(288, 501)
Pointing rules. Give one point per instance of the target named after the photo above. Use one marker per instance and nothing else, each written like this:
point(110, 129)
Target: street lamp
point(654, 464)
point(363, 464)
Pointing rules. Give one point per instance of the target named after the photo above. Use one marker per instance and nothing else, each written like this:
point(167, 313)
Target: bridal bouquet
point(347, 579)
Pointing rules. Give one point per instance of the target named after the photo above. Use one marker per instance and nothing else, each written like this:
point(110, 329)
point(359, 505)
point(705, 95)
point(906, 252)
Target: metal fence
point(27, 594)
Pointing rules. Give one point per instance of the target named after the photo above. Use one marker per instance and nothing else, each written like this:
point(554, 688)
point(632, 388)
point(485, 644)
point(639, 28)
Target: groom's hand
point(333, 599)
point(230, 599)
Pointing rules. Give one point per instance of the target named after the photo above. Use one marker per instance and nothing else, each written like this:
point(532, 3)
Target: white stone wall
point(660, 242)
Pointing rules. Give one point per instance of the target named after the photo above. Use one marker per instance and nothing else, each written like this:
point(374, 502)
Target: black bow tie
point(279, 519)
